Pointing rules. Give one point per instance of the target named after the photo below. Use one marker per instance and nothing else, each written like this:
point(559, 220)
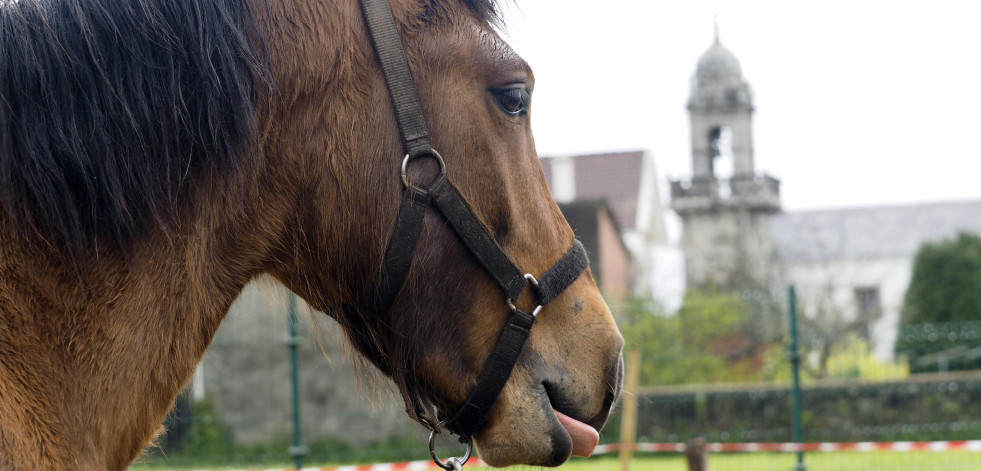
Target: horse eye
point(513, 100)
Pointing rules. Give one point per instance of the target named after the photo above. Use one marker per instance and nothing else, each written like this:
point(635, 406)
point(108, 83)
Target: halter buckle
point(534, 285)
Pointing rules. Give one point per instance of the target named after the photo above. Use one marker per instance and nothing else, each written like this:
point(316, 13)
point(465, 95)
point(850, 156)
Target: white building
point(852, 266)
point(627, 183)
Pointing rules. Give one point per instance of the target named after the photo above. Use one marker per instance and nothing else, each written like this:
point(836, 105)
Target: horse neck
point(89, 370)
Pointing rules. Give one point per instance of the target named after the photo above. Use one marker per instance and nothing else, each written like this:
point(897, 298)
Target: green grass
point(837, 461)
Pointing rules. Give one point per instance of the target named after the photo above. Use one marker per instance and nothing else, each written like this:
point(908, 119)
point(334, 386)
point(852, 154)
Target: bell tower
point(725, 206)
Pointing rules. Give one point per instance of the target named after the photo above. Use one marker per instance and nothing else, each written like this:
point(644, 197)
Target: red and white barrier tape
point(425, 465)
point(966, 445)
point(422, 465)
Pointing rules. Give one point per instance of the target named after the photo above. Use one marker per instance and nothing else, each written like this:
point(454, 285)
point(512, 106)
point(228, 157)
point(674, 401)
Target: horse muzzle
point(551, 411)
point(580, 423)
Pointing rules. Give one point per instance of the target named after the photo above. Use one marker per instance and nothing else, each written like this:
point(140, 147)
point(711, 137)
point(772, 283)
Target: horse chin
point(562, 390)
point(537, 427)
point(531, 434)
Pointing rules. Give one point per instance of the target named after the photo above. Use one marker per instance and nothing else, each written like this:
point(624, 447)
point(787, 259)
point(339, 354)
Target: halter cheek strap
point(462, 219)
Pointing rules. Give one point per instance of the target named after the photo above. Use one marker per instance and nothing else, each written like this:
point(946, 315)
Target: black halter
point(442, 194)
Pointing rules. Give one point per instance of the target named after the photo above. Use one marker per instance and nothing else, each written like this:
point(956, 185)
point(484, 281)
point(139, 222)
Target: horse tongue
point(584, 437)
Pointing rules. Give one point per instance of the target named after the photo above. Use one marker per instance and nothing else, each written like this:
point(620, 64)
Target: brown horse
point(157, 155)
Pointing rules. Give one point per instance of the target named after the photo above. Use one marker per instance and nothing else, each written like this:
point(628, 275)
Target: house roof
point(614, 177)
point(874, 232)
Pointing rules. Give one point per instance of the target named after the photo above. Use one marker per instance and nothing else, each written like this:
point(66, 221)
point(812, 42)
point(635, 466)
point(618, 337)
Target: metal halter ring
point(453, 463)
point(432, 152)
point(534, 284)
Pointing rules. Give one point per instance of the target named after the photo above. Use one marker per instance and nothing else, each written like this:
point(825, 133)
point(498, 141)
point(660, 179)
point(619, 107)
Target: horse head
point(443, 322)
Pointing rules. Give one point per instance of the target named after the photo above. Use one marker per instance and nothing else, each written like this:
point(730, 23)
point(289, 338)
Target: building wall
point(648, 236)
point(727, 247)
point(841, 250)
point(615, 261)
point(831, 285)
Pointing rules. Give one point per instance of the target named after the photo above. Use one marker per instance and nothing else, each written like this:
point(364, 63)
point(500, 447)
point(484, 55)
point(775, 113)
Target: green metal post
point(297, 451)
point(798, 430)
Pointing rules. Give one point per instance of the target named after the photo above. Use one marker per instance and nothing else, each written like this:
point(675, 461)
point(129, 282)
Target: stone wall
point(246, 373)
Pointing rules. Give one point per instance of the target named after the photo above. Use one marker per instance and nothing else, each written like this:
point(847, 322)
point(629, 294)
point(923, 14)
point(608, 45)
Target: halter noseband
point(478, 239)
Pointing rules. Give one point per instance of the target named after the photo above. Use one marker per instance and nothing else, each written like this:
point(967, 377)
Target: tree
point(943, 299)
point(708, 340)
point(946, 282)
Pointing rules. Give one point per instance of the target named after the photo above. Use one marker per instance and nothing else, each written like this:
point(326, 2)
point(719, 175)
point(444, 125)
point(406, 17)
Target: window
point(868, 302)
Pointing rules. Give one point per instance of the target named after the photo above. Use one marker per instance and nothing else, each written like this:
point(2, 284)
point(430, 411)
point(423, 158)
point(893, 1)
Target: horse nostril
point(613, 389)
point(616, 381)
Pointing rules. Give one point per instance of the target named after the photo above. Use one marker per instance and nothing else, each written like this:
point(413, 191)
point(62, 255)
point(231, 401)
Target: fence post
point(297, 451)
point(697, 455)
point(628, 426)
point(798, 430)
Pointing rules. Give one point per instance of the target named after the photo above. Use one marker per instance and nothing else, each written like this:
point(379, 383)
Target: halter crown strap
point(398, 76)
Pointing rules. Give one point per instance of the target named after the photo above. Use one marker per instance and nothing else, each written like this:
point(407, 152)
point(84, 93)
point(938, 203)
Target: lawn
point(827, 461)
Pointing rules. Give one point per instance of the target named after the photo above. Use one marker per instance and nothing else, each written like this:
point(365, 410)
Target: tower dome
point(718, 80)
point(718, 63)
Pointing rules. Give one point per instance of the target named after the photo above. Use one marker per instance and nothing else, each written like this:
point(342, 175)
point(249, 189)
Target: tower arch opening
point(722, 164)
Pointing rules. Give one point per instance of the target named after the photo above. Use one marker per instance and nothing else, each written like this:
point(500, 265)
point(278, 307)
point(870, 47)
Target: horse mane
point(484, 10)
point(110, 108)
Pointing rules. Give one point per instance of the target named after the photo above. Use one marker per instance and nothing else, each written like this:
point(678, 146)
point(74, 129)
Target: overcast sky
point(858, 103)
